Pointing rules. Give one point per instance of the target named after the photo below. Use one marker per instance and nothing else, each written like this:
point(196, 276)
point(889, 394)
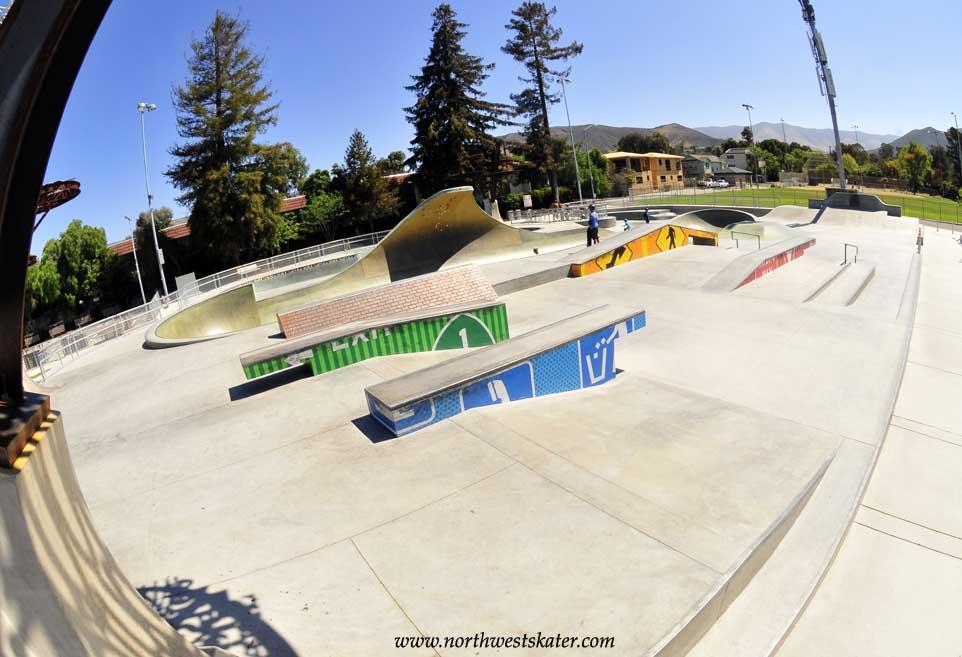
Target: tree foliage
point(146, 253)
point(747, 135)
point(368, 196)
point(70, 270)
point(452, 121)
point(635, 142)
point(232, 184)
point(916, 163)
point(534, 43)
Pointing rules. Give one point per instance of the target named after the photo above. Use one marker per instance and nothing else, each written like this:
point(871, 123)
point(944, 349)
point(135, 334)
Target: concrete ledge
point(574, 353)
point(756, 264)
point(449, 327)
point(634, 244)
point(853, 201)
point(461, 285)
point(701, 618)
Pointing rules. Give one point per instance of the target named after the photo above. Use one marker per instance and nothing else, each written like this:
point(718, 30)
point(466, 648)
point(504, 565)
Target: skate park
point(720, 435)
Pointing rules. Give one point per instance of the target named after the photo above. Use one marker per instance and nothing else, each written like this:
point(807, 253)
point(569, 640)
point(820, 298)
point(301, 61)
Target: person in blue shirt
point(627, 223)
point(592, 225)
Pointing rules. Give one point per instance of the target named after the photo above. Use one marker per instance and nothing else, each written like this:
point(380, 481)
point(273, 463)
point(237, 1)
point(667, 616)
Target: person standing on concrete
point(627, 223)
point(919, 240)
point(592, 225)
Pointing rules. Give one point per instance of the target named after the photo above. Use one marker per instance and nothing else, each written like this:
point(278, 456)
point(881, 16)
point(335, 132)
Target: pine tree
point(452, 120)
point(367, 194)
point(534, 45)
point(232, 185)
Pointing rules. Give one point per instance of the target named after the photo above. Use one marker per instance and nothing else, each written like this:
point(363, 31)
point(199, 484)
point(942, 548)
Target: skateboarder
point(919, 240)
point(627, 224)
point(592, 225)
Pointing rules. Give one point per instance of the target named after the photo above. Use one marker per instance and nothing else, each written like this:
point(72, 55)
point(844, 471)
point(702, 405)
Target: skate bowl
point(446, 230)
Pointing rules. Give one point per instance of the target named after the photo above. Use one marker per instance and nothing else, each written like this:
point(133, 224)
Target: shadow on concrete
point(374, 430)
point(214, 619)
point(269, 382)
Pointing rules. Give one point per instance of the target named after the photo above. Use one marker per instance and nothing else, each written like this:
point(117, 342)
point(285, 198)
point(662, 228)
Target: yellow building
point(647, 170)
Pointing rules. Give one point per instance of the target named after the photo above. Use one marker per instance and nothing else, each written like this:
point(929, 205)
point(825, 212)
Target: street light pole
point(143, 108)
point(574, 153)
point(133, 246)
point(826, 82)
point(751, 128)
point(958, 143)
point(591, 173)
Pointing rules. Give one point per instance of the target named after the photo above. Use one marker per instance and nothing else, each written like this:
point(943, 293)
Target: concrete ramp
point(61, 592)
point(715, 217)
point(635, 244)
point(446, 230)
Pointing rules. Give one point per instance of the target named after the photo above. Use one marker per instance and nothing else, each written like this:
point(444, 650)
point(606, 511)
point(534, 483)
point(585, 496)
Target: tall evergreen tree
point(452, 120)
point(232, 185)
point(367, 194)
point(534, 44)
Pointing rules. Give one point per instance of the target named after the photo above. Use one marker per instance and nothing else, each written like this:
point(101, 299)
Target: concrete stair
point(845, 289)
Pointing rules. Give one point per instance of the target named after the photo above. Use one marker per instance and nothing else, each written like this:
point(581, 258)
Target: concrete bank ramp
point(755, 264)
point(879, 220)
point(446, 230)
point(791, 214)
point(639, 242)
point(61, 592)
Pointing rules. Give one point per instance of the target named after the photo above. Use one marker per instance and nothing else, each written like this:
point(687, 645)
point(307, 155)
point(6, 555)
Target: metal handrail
point(73, 343)
point(738, 232)
point(854, 260)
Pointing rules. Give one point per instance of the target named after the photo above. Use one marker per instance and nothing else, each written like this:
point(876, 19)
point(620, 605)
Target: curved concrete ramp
point(61, 592)
point(709, 218)
point(446, 230)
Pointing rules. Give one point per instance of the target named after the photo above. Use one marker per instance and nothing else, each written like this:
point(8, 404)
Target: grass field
point(913, 205)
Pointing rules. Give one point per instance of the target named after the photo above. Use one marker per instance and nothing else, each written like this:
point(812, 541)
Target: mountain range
point(605, 138)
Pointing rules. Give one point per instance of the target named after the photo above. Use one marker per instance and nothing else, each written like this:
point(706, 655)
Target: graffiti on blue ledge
point(582, 363)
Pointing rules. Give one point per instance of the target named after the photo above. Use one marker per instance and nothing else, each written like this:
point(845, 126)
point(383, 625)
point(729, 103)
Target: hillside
point(822, 139)
point(605, 137)
point(927, 137)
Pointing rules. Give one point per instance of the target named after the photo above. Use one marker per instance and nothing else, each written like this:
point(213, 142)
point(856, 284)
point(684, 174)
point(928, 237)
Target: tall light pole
point(133, 246)
point(826, 82)
point(574, 152)
point(958, 143)
point(784, 138)
point(143, 108)
point(751, 128)
point(855, 128)
point(591, 172)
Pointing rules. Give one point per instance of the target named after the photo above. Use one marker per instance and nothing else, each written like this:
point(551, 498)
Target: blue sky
point(339, 66)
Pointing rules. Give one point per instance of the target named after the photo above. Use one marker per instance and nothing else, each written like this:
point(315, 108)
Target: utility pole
point(855, 128)
point(574, 151)
point(751, 128)
point(143, 108)
point(133, 246)
point(591, 173)
point(825, 81)
point(958, 143)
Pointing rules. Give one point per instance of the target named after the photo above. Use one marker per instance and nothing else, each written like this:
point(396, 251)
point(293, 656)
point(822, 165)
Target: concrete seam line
point(905, 540)
point(917, 524)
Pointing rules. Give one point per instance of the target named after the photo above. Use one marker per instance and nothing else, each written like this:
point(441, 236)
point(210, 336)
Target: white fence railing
point(53, 352)
point(576, 211)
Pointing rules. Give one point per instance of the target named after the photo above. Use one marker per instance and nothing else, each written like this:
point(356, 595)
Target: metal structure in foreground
point(42, 45)
point(825, 81)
